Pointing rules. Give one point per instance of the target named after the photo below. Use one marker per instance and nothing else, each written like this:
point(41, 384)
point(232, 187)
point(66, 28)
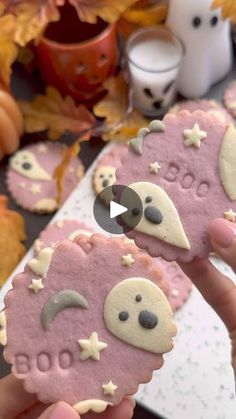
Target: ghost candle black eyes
point(123, 316)
point(138, 298)
point(148, 199)
point(196, 22)
point(214, 20)
point(147, 92)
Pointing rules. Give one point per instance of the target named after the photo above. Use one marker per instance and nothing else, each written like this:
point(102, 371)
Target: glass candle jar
point(154, 57)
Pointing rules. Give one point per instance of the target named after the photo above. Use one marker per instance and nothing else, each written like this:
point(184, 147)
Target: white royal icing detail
point(170, 230)
point(91, 347)
point(46, 204)
point(78, 232)
point(154, 168)
point(25, 163)
point(227, 163)
point(230, 215)
point(96, 406)
point(35, 188)
point(109, 388)
point(3, 328)
point(194, 136)
point(41, 263)
point(127, 260)
point(122, 298)
point(36, 285)
point(42, 148)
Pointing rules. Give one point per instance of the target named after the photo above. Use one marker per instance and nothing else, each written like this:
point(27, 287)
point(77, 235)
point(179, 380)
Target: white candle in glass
point(154, 59)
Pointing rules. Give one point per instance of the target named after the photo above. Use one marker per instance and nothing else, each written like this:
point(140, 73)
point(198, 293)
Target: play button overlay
point(118, 209)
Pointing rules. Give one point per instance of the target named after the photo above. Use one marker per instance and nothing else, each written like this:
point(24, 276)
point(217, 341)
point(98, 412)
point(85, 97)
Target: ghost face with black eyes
point(104, 176)
point(160, 218)
point(137, 312)
point(26, 164)
point(207, 42)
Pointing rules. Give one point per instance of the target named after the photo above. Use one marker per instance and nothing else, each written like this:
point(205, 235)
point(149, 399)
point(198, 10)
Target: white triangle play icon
point(116, 209)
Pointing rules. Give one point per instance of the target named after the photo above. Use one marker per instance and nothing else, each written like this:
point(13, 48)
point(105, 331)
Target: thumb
point(60, 410)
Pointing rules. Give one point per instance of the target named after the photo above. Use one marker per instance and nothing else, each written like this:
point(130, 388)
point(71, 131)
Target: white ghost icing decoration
point(25, 163)
point(207, 42)
point(138, 312)
point(160, 218)
point(227, 163)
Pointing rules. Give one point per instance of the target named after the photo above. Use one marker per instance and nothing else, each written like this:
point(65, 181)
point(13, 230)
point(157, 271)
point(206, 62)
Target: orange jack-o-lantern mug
point(77, 57)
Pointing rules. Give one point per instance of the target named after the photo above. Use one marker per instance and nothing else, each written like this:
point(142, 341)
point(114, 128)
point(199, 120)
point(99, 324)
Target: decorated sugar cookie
point(105, 172)
point(230, 98)
point(184, 170)
point(61, 230)
point(94, 309)
point(212, 107)
point(180, 285)
point(31, 179)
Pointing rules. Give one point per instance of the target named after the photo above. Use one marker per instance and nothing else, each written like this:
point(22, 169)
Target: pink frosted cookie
point(209, 106)
point(180, 284)
point(94, 309)
point(61, 230)
point(105, 172)
point(184, 171)
point(30, 176)
point(230, 98)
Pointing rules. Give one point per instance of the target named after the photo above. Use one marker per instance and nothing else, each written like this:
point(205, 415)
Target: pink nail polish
point(223, 232)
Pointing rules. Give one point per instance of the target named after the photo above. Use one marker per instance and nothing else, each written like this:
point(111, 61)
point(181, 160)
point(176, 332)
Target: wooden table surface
point(24, 86)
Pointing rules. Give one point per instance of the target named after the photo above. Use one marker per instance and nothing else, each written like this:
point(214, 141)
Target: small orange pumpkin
point(11, 124)
point(12, 233)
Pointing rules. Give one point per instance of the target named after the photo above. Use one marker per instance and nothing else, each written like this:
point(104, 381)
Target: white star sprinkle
point(230, 215)
point(109, 388)
point(91, 347)
point(127, 260)
point(60, 224)
point(194, 136)
point(175, 293)
point(35, 188)
point(154, 168)
point(36, 285)
point(42, 148)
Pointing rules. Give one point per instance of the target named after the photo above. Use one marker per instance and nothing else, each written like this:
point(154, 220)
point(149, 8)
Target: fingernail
point(62, 410)
point(223, 232)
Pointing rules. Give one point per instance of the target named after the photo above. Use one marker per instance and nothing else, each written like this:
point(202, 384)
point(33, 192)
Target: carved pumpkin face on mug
point(77, 57)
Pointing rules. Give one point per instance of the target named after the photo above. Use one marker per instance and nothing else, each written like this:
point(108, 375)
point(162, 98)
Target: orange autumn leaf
point(228, 8)
point(119, 125)
point(8, 49)
point(57, 114)
point(136, 17)
point(68, 154)
point(108, 10)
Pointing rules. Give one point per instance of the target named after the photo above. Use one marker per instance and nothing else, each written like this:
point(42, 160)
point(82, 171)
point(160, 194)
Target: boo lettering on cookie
point(187, 180)
point(43, 362)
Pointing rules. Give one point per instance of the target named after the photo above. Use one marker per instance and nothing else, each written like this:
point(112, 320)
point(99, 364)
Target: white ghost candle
point(154, 57)
point(207, 42)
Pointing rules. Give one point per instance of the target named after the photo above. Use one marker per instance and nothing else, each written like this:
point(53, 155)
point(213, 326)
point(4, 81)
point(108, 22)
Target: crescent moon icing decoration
point(59, 302)
point(137, 143)
point(227, 163)
point(25, 163)
point(160, 219)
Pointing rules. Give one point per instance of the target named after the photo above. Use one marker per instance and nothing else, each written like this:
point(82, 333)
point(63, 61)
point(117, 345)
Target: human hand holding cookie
point(16, 403)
